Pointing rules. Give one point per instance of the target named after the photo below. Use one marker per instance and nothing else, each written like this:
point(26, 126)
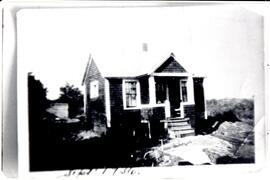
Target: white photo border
point(9, 64)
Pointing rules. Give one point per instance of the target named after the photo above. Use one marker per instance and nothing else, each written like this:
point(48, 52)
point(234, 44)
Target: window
point(93, 89)
point(184, 91)
point(131, 94)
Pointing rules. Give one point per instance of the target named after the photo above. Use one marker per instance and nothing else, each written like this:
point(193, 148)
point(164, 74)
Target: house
point(133, 94)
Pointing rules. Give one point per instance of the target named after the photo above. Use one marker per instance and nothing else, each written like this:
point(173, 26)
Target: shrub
point(243, 109)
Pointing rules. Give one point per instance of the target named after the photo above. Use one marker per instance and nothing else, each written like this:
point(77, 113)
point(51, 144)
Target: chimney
point(145, 47)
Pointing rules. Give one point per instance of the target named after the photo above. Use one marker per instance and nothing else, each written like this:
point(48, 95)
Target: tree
point(38, 129)
point(74, 97)
point(37, 101)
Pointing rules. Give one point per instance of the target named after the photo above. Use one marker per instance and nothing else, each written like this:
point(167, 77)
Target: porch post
point(152, 90)
point(107, 102)
point(190, 90)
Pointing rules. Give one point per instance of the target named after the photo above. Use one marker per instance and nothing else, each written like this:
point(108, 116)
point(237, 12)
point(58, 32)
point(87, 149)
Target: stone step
point(184, 133)
point(187, 131)
point(178, 119)
point(176, 124)
point(188, 134)
point(180, 128)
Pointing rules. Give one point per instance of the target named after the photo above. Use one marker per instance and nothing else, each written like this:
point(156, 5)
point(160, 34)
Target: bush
point(243, 109)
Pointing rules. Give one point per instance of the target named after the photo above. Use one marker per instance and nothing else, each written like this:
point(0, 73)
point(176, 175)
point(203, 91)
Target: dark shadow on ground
point(230, 160)
point(55, 149)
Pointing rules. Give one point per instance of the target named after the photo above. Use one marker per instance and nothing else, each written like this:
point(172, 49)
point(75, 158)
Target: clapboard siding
point(199, 97)
point(157, 128)
point(116, 101)
point(123, 122)
point(144, 84)
point(189, 111)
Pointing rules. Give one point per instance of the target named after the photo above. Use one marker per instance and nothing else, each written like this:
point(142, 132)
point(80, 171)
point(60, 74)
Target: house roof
point(128, 64)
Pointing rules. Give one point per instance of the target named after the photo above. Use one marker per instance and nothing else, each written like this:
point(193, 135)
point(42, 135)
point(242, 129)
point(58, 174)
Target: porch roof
point(172, 74)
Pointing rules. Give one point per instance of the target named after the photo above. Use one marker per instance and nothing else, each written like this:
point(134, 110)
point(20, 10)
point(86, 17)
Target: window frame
point(96, 92)
point(138, 93)
point(181, 90)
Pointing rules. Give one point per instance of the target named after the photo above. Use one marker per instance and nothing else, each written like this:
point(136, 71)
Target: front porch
point(173, 96)
point(157, 126)
point(173, 92)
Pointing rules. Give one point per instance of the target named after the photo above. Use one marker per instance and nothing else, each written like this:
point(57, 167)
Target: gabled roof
point(123, 64)
point(169, 65)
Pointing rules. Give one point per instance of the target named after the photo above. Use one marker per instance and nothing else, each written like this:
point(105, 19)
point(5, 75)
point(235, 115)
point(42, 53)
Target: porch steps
point(178, 119)
point(184, 133)
point(180, 127)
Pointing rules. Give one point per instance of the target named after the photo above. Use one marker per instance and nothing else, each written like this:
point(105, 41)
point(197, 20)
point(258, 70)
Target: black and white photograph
point(141, 87)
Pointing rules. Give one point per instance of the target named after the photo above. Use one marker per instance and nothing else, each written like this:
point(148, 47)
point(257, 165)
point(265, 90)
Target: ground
point(231, 143)
point(226, 137)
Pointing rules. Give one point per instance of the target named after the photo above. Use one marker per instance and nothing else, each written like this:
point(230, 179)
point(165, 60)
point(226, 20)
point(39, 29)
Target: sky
point(223, 43)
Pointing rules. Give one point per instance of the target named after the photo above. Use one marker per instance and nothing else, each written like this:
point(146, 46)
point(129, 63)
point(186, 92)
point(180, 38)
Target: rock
point(83, 135)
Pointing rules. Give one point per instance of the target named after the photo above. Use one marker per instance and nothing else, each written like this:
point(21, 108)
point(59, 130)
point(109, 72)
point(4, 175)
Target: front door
point(168, 88)
point(174, 96)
